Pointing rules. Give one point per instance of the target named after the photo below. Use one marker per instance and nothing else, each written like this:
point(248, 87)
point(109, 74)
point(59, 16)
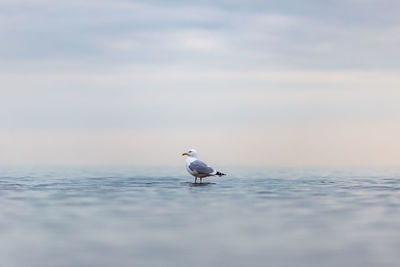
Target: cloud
point(137, 32)
point(174, 98)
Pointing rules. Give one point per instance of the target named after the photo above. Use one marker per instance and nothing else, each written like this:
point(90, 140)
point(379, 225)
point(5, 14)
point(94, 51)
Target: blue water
point(86, 216)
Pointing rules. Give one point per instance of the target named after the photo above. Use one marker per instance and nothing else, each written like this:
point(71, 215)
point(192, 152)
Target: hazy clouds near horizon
point(244, 82)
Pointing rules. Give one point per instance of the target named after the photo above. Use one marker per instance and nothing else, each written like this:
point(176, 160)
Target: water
point(77, 216)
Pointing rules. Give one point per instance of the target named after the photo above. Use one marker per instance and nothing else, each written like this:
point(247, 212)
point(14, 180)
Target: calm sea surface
point(84, 216)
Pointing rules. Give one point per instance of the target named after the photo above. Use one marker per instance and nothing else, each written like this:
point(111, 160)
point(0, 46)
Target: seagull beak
point(185, 154)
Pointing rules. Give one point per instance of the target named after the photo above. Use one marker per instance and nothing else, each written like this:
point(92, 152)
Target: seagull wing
point(200, 167)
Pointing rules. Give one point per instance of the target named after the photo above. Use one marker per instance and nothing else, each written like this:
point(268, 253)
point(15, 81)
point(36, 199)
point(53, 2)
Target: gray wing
point(200, 167)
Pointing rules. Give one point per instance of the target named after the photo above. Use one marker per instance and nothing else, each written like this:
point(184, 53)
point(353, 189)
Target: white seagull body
point(198, 168)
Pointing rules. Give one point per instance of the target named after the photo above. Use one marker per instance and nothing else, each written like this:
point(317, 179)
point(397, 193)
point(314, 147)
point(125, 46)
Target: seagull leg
point(201, 180)
point(195, 179)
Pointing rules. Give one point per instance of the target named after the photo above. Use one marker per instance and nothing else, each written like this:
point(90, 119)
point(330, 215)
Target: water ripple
point(271, 217)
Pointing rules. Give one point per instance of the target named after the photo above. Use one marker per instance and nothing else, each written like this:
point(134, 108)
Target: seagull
point(198, 168)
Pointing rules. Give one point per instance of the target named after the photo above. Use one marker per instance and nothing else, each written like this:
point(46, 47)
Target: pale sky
point(250, 82)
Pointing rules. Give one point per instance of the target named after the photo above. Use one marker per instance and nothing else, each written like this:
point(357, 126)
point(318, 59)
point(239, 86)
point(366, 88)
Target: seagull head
point(191, 153)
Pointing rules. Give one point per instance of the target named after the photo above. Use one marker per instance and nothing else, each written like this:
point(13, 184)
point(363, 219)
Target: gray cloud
point(306, 34)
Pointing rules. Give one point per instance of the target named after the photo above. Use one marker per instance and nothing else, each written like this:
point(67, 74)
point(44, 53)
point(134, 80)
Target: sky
point(287, 83)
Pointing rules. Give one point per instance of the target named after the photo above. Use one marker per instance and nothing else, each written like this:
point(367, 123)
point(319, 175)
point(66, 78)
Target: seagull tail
point(220, 174)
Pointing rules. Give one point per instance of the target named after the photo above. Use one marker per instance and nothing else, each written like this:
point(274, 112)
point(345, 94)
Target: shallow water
point(81, 216)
